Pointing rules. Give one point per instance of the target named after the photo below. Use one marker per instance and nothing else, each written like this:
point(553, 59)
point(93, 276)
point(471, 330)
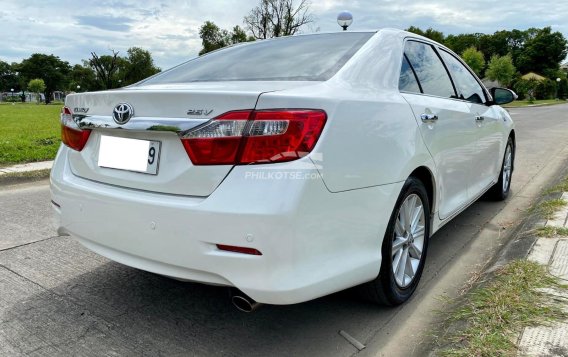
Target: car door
point(445, 122)
point(486, 162)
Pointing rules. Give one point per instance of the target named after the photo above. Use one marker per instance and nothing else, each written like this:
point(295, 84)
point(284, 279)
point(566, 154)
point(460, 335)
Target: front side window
point(468, 87)
point(429, 69)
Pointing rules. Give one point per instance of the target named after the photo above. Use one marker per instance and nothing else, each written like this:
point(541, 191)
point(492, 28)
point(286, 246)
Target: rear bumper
point(313, 242)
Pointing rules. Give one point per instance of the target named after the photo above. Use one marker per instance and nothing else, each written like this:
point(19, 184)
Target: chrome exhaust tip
point(244, 303)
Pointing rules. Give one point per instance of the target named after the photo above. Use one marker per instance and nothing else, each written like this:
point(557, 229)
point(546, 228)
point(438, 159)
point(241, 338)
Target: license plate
point(129, 154)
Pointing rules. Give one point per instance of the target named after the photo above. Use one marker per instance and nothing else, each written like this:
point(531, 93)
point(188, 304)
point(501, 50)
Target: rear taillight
point(247, 137)
point(71, 134)
point(217, 142)
point(276, 136)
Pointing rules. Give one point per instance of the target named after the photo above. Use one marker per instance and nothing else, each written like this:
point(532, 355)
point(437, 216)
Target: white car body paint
point(319, 221)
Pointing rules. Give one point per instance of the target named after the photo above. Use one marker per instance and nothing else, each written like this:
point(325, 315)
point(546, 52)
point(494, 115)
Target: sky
point(170, 29)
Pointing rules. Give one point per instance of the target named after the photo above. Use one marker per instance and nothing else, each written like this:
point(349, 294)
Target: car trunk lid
point(160, 112)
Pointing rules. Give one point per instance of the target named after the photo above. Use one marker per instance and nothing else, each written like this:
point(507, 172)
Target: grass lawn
point(493, 314)
point(28, 132)
point(525, 103)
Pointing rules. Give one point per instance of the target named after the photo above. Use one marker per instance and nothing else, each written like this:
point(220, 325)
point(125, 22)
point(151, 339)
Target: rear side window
point(407, 81)
point(295, 58)
point(429, 69)
point(468, 87)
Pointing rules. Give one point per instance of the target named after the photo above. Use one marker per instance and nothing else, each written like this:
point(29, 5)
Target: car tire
point(402, 241)
point(500, 191)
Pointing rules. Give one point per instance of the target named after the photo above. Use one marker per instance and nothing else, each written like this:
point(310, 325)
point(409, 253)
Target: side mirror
point(502, 95)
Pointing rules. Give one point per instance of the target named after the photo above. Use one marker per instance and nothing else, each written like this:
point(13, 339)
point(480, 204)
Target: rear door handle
point(428, 118)
point(479, 118)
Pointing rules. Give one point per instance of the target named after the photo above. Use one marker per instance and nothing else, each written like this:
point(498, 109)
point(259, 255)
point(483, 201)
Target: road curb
point(524, 238)
point(29, 176)
point(29, 172)
point(536, 105)
point(27, 167)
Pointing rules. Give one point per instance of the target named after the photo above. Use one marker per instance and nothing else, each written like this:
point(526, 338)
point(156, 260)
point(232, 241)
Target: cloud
point(73, 29)
point(109, 23)
point(169, 37)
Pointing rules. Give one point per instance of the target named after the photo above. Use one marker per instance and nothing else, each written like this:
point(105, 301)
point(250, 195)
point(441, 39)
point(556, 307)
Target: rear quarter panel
point(371, 137)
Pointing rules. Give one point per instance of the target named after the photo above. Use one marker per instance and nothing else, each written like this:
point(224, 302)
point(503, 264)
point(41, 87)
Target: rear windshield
point(296, 58)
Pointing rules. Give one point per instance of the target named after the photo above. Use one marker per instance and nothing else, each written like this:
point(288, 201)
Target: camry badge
point(122, 113)
point(80, 110)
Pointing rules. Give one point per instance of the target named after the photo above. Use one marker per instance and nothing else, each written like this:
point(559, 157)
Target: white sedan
point(287, 169)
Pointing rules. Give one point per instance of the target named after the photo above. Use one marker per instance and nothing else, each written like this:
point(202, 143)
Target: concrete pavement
point(25, 216)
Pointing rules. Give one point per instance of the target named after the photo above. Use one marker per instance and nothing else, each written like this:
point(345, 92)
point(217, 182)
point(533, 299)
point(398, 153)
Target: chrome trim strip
point(176, 125)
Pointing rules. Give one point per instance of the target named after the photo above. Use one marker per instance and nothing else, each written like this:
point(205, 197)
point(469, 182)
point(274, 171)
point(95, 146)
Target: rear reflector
point(71, 135)
point(234, 249)
point(252, 137)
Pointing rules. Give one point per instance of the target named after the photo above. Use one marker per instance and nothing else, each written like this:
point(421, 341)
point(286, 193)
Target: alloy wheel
point(507, 168)
point(408, 242)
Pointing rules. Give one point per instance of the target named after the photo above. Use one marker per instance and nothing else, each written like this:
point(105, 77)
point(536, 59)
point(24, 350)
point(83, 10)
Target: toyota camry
point(286, 169)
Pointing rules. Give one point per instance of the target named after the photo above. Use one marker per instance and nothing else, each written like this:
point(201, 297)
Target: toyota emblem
point(122, 113)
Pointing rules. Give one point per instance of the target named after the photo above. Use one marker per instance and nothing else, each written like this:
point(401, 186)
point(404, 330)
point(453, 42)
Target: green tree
point(429, 33)
point(275, 18)
point(543, 51)
point(37, 86)
point(522, 87)
point(545, 89)
point(514, 42)
point(82, 78)
point(499, 43)
point(107, 68)
point(416, 30)
point(50, 68)
point(139, 65)
point(213, 37)
point(474, 59)
point(495, 44)
point(8, 77)
point(116, 71)
point(239, 35)
point(434, 35)
point(533, 50)
point(501, 69)
point(459, 43)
